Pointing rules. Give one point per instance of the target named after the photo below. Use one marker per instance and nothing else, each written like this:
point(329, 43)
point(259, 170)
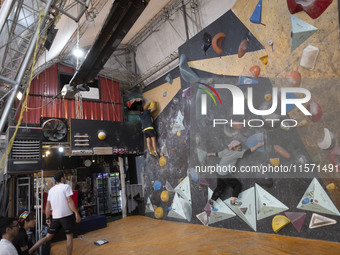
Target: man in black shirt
point(147, 127)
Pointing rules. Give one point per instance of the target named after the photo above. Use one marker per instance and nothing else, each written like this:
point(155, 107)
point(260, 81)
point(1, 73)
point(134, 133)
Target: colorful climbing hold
point(268, 97)
point(162, 161)
point(242, 49)
point(302, 123)
point(217, 43)
point(255, 70)
point(279, 221)
point(274, 161)
point(294, 78)
point(314, 8)
point(157, 185)
point(159, 213)
point(264, 60)
point(281, 151)
point(334, 156)
point(315, 110)
point(165, 196)
point(330, 186)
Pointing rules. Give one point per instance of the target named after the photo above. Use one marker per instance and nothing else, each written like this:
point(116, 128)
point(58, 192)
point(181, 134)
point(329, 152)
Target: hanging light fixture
point(19, 95)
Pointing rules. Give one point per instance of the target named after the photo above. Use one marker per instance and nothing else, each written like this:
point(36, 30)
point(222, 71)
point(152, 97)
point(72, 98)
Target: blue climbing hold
point(256, 16)
point(157, 185)
point(305, 201)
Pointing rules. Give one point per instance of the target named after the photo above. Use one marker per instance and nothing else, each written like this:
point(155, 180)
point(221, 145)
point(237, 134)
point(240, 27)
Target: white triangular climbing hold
point(220, 211)
point(300, 32)
point(316, 199)
point(183, 188)
point(318, 220)
point(149, 207)
point(177, 209)
point(266, 204)
point(247, 198)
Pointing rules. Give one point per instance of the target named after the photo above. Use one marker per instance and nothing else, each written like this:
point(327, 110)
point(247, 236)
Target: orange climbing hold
point(242, 49)
point(281, 151)
point(217, 42)
point(294, 78)
point(255, 70)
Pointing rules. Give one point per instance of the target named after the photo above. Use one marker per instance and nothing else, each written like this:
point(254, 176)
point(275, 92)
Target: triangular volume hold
point(266, 204)
point(316, 199)
point(149, 207)
point(183, 188)
point(300, 32)
point(236, 31)
point(297, 219)
point(220, 210)
point(202, 181)
point(176, 209)
point(247, 198)
point(207, 209)
point(256, 16)
point(168, 187)
point(203, 217)
point(318, 220)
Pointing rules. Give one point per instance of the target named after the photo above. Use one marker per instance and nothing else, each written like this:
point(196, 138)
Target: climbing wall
point(224, 53)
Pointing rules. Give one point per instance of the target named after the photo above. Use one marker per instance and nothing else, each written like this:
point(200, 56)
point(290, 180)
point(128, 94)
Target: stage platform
point(143, 235)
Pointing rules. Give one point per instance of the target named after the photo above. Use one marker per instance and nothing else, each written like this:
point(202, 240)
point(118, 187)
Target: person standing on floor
point(148, 128)
point(229, 158)
point(9, 229)
point(60, 201)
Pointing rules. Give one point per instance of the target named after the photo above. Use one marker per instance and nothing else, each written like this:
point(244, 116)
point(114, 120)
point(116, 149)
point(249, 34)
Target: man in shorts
point(60, 201)
point(147, 127)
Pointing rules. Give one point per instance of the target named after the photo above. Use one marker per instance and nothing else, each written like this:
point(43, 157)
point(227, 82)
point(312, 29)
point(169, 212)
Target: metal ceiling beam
point(122, 16)
point(5, 11)
point(22, 70)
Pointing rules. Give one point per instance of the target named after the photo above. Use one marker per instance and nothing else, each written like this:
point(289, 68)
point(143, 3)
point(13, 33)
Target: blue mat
point(91, 223)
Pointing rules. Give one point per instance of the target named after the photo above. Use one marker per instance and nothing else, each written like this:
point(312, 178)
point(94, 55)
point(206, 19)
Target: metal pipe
point(5, 95)
point(4, 12)
point(122, 181)
point(81, 14)
point(22, 70)
point(6, 80)
point(185, 20)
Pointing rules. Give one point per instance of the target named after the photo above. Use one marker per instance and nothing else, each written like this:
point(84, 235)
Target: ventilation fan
point(54, 130)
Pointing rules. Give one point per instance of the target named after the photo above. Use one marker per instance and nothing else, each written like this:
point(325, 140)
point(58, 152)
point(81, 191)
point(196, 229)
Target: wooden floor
point(143, 235)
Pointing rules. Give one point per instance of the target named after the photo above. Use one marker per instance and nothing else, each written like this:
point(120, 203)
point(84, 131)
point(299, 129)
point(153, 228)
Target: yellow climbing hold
point(159, 213)
point(302, 123)
point(330, 186)
point(275, 161)
point(178, 133)
point(279, 221)
point(268, 97)
point(264, 60)
point(180, 180)
point(165, 196)
point(162, 161)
